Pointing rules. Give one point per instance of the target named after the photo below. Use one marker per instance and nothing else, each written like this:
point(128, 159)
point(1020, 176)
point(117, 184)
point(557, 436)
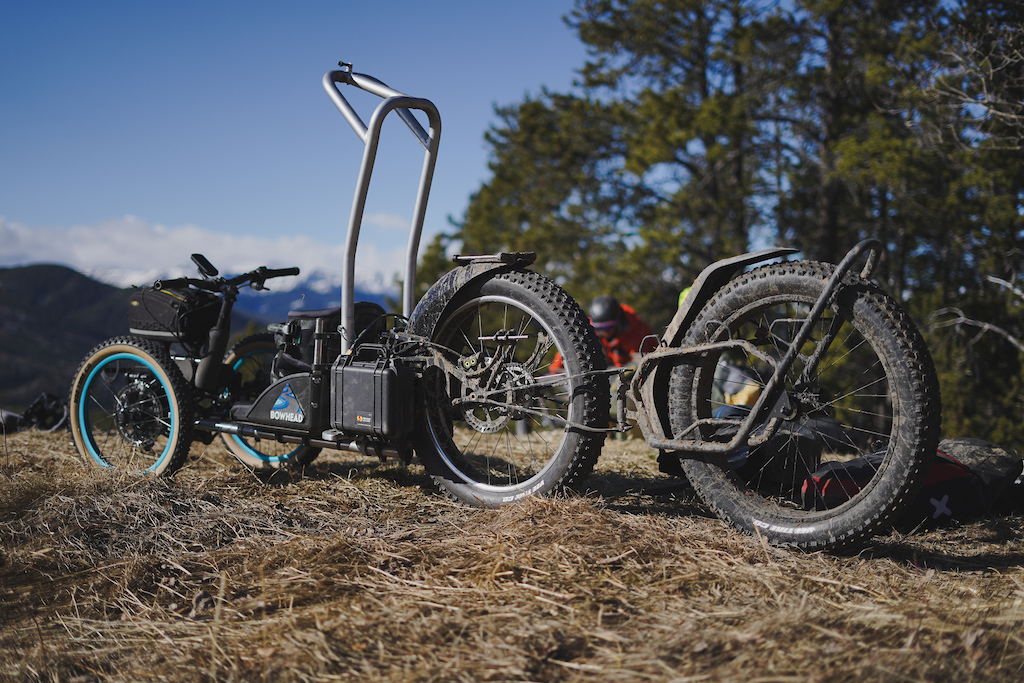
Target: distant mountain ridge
point(312, 291)
point(51, 316)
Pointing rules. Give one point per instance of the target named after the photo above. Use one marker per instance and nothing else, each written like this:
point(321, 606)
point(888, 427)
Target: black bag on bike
point(182, 315)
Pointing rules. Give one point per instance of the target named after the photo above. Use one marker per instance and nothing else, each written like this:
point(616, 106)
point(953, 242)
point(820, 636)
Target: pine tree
point(701, 128)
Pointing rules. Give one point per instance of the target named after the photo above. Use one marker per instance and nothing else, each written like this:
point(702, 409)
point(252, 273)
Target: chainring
point(510, 390)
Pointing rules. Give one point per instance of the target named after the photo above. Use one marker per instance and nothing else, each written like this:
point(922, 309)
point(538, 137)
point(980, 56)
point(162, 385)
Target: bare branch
point(986, 79)
point(960, 320)
point(1004, 283)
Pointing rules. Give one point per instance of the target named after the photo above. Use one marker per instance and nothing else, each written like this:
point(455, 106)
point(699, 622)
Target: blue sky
point(134, 133)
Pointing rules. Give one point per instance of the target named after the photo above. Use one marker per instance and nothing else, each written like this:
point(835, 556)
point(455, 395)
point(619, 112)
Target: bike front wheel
point(251, 361)
point(131, 408)
point(507, 427)
point(862, 388)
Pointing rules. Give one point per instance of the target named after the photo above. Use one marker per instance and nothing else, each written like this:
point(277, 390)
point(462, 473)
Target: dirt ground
point(355, 570)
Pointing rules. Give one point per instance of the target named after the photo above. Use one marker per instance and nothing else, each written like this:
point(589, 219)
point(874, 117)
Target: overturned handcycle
point(462, 378)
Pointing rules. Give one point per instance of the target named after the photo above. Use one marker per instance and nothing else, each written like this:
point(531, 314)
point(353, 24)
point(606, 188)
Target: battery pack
point(373, 393)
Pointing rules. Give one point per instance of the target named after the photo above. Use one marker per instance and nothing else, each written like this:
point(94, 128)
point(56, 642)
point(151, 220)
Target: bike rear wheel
point(871, 396)
point(505, 430)
point(251, 361)
point(131, 408)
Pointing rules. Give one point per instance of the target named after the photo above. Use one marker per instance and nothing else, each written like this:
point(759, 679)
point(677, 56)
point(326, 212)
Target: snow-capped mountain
point(316, 291)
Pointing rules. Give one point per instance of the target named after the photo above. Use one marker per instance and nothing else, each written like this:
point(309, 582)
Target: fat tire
point(246, 452)
point(568, 455)
point(914, 427)
point(155, 403)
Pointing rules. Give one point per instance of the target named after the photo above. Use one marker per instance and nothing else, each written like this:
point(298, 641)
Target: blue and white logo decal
point(286, 407)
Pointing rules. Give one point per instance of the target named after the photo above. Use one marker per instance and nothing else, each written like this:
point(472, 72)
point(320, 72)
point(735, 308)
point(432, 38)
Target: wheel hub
point(807, 399)
point(138, 415)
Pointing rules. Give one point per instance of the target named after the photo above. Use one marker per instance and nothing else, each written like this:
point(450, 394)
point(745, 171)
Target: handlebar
point(264, 273)
point(255, 278)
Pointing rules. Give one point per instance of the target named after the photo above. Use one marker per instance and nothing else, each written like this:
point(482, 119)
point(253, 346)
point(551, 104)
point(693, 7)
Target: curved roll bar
point(370, 137)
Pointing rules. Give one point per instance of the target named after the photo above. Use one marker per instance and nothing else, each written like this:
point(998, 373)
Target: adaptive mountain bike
point(463, 378)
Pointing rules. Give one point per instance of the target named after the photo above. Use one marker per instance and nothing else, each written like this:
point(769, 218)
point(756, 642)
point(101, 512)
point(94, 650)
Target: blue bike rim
point(94, 451)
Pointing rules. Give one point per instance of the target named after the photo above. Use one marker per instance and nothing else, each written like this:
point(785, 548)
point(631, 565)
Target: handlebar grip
point(174, 282)
point(258, 277)
point(280, 272)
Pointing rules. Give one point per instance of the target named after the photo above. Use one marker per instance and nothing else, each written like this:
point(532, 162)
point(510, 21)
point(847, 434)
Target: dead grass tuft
point(353, 570)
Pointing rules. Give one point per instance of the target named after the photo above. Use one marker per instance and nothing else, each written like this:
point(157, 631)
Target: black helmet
point(605, 313)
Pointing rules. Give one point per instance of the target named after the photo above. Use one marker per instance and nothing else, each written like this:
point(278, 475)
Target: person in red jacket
point(622, 332)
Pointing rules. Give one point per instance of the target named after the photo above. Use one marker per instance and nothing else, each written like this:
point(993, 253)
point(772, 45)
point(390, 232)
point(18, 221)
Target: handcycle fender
point(470, 268)
point(710, 280)
point(649, 387)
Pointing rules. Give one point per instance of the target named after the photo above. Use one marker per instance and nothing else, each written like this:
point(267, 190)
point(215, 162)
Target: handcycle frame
point(646, 387)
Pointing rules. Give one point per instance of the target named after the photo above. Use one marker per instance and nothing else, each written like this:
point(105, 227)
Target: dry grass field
point(353, 570)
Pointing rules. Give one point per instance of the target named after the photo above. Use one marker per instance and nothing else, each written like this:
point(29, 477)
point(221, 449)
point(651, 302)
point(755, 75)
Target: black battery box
point(372, 393)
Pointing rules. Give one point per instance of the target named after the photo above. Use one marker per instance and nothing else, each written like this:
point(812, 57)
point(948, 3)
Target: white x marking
point(941, 507)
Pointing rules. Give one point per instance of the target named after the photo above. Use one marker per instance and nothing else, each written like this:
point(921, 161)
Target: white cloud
point(387, 221)
point(130, 251)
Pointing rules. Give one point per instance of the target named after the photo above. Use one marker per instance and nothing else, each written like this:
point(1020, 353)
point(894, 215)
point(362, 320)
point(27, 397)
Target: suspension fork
point(874, 247)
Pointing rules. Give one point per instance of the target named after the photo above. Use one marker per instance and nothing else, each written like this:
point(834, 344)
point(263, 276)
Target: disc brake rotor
point(501, 404)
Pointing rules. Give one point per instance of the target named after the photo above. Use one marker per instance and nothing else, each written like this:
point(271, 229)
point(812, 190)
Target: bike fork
point(773, 394)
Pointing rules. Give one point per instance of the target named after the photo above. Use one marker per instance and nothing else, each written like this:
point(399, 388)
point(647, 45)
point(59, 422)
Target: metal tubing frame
point(772, 390)
point(347, 443)
point(370, 137)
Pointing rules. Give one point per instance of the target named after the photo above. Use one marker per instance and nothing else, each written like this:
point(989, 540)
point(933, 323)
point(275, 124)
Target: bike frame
point(648, 387)
point(370, 136)
point(456, 379)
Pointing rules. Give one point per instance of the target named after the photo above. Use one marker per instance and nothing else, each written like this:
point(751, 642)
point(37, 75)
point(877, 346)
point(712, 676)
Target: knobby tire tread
point(595, 410)
point(179, 386)
point(855, 525)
